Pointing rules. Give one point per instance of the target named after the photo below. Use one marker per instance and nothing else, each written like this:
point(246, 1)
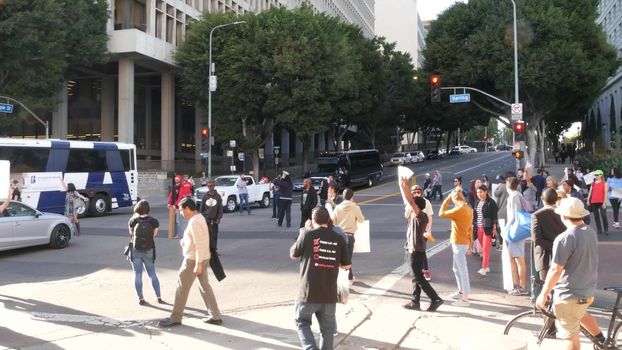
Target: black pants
point(214, 261)
point(304, 216)
point(436, 189)
point(350, 251)
point(615, 204)
point(419, 282)
point(285, 210)
point(600, 216)
point(275, 204)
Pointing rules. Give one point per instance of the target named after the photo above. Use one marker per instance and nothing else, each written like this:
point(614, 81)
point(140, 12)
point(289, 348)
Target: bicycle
point(538, 325)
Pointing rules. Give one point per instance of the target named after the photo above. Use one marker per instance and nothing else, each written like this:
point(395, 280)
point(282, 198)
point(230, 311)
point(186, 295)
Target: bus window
point(113, 158)
point(87, 160)
point(26, 159)
point(126, 158)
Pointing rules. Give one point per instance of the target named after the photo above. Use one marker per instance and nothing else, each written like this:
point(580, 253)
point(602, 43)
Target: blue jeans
point(244, 203)
point(144, 259)
point(325, 314)
point(461, 270)
point(180, 224)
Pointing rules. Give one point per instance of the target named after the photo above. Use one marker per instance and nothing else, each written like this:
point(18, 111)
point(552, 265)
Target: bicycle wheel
point(617, 337)
point(529, 326)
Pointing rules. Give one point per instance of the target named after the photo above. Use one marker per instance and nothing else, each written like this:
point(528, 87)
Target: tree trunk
point(255, 164)
point(306, 141)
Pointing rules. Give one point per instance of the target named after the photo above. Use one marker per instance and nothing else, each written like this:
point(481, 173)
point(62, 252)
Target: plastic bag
point(343, 286)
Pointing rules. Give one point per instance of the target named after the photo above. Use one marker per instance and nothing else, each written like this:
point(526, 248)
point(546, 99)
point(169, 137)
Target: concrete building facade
point(399, 22)
point(607, 109)
point(135, 98)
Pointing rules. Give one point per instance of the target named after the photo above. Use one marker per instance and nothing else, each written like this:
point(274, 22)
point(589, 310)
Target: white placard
point(5, 178)
point(589, 178)
point(403, 171)
point(361, 242)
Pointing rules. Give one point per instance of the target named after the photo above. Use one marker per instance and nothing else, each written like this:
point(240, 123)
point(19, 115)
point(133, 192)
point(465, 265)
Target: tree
point(564, 59)
point(40, 39)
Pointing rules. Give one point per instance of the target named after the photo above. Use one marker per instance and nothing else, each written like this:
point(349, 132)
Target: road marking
point(389, 280)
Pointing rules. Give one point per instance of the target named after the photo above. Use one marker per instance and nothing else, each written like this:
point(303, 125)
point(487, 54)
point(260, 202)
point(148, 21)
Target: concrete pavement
point(373, 319)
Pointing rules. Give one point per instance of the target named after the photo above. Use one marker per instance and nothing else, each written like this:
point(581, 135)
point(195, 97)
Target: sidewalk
point(373, 319)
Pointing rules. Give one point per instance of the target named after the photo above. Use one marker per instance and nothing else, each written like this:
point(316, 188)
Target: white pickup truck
point(225, 185)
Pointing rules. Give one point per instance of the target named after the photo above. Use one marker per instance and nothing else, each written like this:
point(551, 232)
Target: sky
point(430, 9)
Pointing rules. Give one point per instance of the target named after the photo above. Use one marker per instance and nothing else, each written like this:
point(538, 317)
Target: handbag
point(520, 228)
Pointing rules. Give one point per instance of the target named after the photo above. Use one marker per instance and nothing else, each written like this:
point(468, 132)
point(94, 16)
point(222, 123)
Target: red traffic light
point(435, 80)
point(204, 132)
point(518, 127)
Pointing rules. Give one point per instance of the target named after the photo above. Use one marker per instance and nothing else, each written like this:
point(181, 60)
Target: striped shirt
point(480, 217)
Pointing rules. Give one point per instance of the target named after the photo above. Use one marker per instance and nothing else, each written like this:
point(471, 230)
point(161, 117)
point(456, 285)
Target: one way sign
point(6, 108)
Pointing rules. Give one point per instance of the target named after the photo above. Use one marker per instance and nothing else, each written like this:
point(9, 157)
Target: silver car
point(22, 226)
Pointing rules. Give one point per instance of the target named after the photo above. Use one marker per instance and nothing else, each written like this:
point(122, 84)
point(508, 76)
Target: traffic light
point(435, 88)
point(518, 154)
point(519, 131)
point(204, 139)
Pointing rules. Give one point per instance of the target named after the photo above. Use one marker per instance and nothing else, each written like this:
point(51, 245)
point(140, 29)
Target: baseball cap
point(598, 172)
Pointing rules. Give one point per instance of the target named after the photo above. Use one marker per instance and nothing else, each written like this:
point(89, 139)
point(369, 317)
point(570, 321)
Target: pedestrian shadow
point(62, 315)
point(14, 340)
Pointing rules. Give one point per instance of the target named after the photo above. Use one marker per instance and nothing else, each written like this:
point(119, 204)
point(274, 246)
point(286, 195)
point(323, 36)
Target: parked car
point(225, 185)
point(503, 147)
point(401, 158)
point(23, 226)
point(435, 154)
point(418, 155)
point(463, 149)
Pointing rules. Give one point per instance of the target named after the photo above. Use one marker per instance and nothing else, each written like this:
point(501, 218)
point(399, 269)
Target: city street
point(60, 298)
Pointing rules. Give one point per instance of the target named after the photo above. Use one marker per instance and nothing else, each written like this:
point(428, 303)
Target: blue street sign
point(460, 98)
point(6, 108)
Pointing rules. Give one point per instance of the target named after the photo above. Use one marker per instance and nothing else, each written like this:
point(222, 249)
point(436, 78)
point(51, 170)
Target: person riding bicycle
point(573, 273)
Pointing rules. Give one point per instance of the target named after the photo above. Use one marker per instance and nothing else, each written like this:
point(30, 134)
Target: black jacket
point(545, 226)
point(311, 200)
point(213, 210)
point(489, 214)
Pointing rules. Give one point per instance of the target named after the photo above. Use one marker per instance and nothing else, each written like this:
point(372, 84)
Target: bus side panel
point(48, 201)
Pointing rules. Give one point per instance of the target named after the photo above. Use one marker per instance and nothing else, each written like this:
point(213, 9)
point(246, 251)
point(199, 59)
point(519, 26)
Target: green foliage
point(39, 39)
point(600, 160)
point(564, 59)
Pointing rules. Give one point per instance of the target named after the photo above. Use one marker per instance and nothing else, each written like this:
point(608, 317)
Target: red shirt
point(598, 192)
point(182, 190)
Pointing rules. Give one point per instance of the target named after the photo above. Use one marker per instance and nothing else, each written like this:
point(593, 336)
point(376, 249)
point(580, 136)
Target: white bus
point(105, 172)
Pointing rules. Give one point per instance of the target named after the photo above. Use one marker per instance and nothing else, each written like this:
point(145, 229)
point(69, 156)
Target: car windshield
point(399, 155)
point(226, 181)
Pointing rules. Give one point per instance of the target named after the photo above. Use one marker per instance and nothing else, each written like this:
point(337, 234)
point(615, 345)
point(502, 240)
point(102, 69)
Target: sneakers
point(482, 271)
point(455, 295)
point(461, 303)
point(519, 291)
point(427, 275)
point(413, 306)
point(214, 321)
point(435, 304)
point(616, 225)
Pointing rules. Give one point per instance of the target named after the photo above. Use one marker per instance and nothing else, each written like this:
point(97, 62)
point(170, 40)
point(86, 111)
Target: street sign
point(204, 155)
point(459, 98)
point(6, 108)
point(276, 150)
point(241, 156)
point(232, 143)
point(213, 83)
point(230, 153)
point(517, 111)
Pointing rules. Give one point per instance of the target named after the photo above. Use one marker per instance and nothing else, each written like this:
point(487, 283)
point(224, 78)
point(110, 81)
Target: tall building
point(398, 21)
point(135, 98)
point(607, 109)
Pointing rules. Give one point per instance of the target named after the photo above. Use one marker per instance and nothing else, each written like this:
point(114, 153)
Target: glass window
point(125, 158)
point(87, 160)
point(18, 209)
point(26, 159)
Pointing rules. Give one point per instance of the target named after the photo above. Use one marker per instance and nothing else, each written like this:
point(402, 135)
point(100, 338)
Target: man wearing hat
point(573, 274)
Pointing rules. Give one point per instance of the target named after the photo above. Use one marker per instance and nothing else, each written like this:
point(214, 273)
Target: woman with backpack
point(143, 229)
point(71, 199)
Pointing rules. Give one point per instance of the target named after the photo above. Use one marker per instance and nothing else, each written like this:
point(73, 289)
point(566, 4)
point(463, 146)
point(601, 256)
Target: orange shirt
point(461, 222)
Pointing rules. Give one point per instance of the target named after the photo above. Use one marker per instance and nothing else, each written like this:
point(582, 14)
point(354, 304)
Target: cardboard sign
point(403, 171)
point(5, 178)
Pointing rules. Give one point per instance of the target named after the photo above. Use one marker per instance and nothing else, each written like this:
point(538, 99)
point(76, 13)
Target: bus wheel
point(99, 205)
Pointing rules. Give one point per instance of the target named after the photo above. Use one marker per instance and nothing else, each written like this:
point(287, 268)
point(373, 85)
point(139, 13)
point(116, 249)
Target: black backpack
point(143, 235)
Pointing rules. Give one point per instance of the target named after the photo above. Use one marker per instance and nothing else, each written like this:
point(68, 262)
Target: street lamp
point(212, 87)
point(515, 54)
